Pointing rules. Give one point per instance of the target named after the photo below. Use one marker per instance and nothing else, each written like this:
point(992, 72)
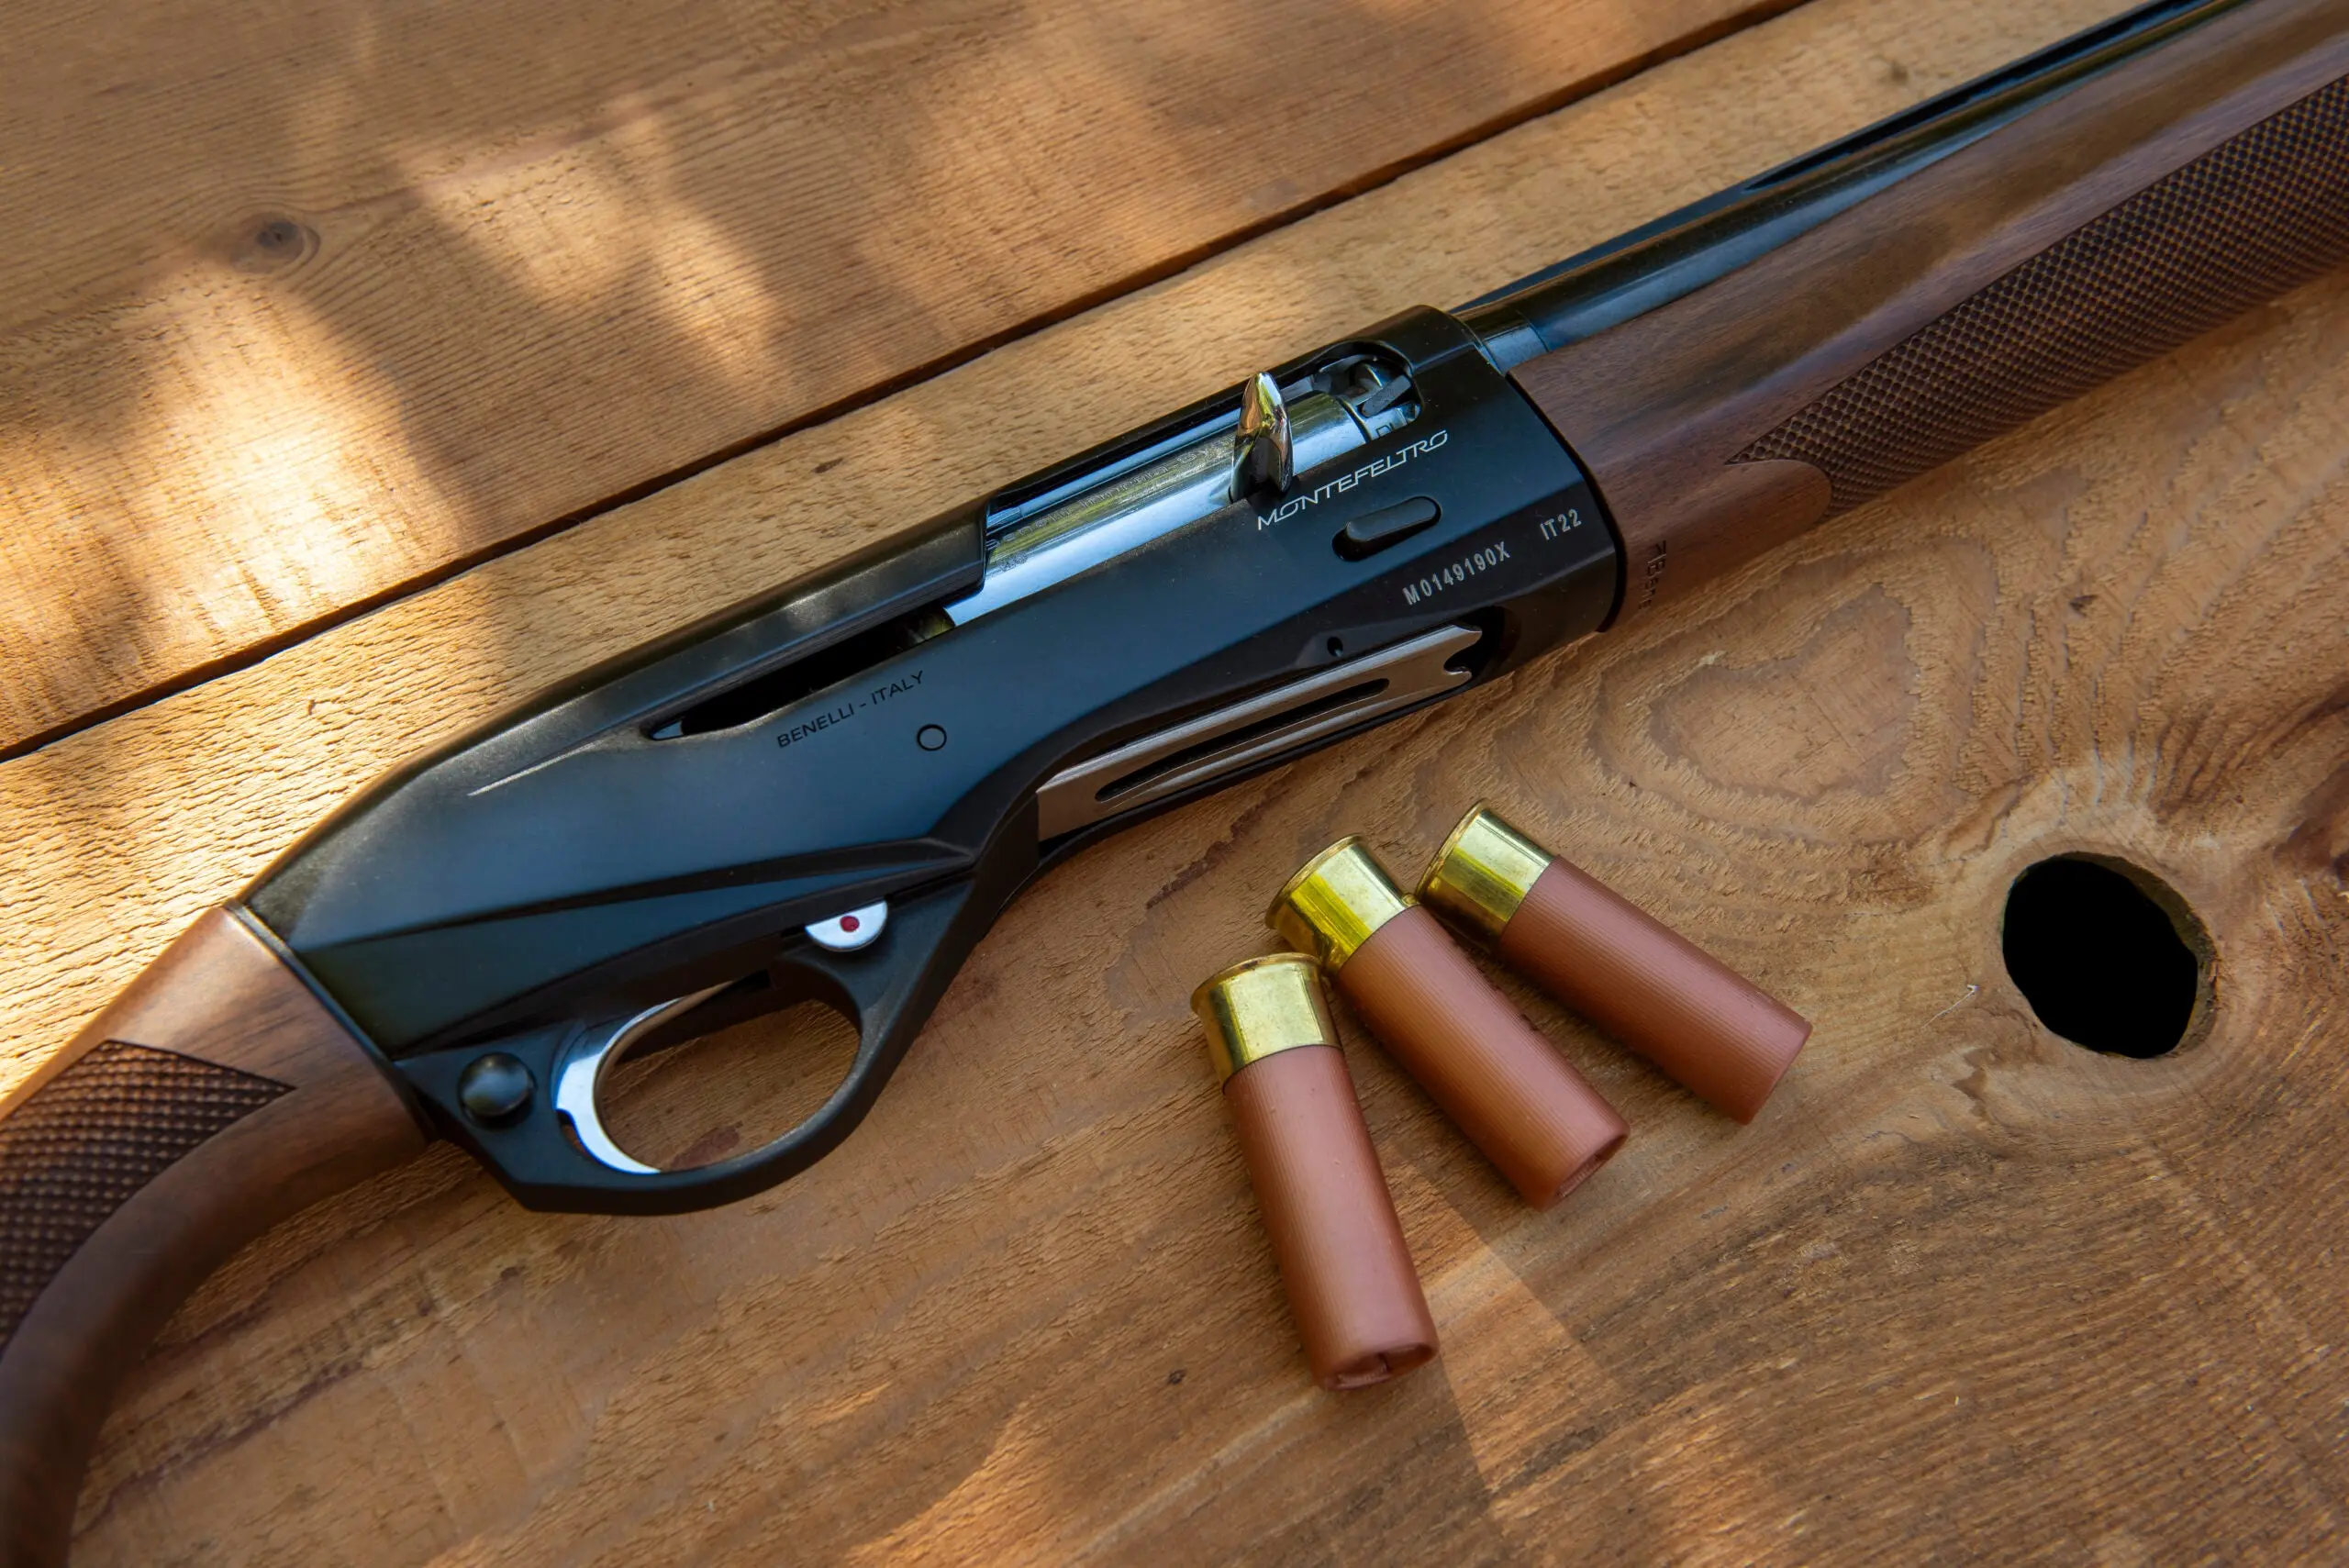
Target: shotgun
point(829, 792)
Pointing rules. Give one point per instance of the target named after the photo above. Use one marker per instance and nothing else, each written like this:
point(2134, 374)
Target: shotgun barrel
point(831, 791)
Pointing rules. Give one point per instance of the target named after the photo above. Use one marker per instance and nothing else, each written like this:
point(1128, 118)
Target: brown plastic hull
point(1349, 1275)
point(1725, 1038)
point(1496, 1078)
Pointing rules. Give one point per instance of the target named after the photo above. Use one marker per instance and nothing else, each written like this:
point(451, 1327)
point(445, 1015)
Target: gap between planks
point(254, 651)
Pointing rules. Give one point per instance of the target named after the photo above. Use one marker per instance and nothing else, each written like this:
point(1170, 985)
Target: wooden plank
point(302, 309)
point(1963, 1289)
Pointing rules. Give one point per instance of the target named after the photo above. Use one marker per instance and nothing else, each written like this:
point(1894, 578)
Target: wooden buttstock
point(214, 1097)
point(2141, 208)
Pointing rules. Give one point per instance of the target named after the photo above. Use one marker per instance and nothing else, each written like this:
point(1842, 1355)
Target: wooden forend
point(1960, 1282)
point(2140, 209)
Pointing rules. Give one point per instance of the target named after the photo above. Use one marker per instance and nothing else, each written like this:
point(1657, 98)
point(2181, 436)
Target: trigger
point(581, 1073)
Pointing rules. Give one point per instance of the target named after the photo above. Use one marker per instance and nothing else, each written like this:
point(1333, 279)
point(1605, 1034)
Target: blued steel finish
point(1682, 251)
point(675, 820)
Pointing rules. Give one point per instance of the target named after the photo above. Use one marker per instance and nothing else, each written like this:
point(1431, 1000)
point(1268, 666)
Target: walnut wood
point(1661, 408)
point(1964, 1286)
point(324, 1117)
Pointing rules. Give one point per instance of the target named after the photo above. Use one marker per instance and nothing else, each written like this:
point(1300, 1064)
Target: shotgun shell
point(1350, 1283)
point(1724, 1038)
point(1501, 1083)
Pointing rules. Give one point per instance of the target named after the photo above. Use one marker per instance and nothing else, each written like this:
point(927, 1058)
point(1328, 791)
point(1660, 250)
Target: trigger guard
point(557, 1155)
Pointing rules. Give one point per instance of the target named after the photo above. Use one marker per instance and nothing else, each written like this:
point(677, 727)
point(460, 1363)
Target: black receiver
point(831, 792)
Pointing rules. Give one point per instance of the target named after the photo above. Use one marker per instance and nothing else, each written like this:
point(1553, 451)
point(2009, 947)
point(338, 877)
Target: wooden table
point(363, 368)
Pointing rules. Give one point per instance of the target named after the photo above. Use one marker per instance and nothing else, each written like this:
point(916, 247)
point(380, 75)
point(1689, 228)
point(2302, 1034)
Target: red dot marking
point(847, 922)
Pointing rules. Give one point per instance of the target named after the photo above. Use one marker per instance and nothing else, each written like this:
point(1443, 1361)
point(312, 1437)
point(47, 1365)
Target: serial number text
point(1473, 564)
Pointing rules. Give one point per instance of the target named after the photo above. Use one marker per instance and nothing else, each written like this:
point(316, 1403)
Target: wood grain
point(227, 1098)
point(302, 307)
point(1962, 1290)
point(1669, 411)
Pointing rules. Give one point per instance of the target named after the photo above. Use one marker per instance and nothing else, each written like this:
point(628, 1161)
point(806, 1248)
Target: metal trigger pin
point(857, 928)
point(1264, 455)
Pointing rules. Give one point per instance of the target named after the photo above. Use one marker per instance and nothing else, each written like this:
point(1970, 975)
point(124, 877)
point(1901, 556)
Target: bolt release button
point(1373, 531)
